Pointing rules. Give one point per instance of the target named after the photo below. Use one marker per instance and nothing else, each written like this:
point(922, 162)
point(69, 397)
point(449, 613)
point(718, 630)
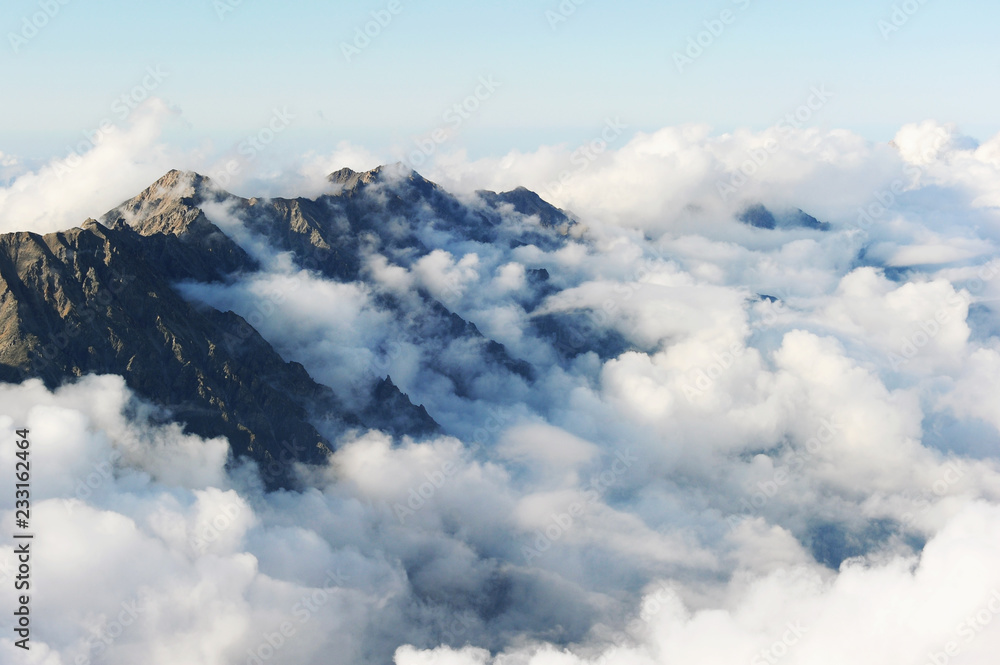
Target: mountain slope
point(107, 298)
point(389, 210)
point(88, 301)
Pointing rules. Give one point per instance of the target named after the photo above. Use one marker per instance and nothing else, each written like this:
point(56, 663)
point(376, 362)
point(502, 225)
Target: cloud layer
point(743, 445)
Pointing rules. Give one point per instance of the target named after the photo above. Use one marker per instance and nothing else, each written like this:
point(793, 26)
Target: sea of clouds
point(796, 460)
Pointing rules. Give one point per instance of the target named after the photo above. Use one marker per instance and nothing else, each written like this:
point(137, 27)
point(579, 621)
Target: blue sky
point(557, 83)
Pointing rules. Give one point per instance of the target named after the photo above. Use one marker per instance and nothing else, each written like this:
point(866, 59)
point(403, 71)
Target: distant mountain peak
point(758, 216)
point(528, 203)
point(180, 185)
point(171, 207)
point(352, 180)
point(175, 196)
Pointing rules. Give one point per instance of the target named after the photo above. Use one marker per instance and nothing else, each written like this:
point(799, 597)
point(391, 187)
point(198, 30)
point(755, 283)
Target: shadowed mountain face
point(103, 299)
point(88, 301)
point(389, 210)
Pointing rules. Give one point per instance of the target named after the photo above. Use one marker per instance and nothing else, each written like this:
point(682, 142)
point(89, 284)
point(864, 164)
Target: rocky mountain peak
point(528, 203)
point(180, 185)
point(390, 174)
point(108, 298)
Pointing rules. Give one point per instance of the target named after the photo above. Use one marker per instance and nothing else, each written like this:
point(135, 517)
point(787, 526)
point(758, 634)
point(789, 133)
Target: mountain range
point(113, 296)
point(103, 298)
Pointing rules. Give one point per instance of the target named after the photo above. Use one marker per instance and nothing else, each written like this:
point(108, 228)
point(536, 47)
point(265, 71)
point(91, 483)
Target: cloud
point(783, 457)
point(93, 177)
point(10, 167)
point(869, 613)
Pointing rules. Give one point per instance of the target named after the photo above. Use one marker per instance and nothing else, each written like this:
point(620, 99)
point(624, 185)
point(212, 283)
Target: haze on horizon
point(564, 67)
